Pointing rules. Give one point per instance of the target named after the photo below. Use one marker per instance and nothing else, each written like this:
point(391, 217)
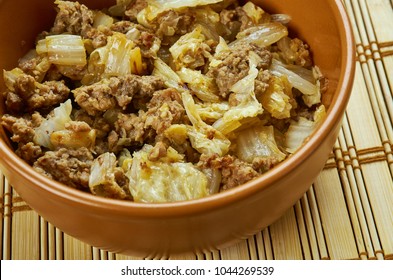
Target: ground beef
point(35, 66)
point(245, 21)
point(129, 131)
point(21, 128)
point(158, 151)
point(134, 8)
point(68, 166)
point(262, 82)
point(164, 109)
point(116, 92)
point(295, 51)
point(95, 99)
point(22, 131)
point(100, 124)
point(30, 152)
point(76, 18)
point(29, 95)
point(123, 26)
point(264, 164)
point(234, 171)
point(233, 26)
point(173, 24)
point(234, 66)
point(73, 18)
point(138, 89)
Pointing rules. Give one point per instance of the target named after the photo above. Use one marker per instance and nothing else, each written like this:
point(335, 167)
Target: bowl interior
point(319, 25)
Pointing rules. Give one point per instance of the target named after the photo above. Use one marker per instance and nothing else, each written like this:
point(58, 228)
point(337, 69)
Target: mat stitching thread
point(373, 51)
point(363, 156)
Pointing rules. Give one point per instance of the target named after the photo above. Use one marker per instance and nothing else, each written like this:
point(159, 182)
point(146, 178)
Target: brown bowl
point(152, 230)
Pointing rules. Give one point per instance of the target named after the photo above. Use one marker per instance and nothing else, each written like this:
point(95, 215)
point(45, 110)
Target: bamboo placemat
point(346, 214)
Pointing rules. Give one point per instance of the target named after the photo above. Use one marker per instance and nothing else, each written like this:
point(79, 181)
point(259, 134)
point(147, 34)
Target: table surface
point(346, 214)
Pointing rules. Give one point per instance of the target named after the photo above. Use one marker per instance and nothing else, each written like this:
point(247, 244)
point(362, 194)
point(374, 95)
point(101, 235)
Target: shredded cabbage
point(221, 49)
point(262, 35)
point(102, 19)
point(102, 180)
point(277, 98)
point(11, 76)
point(119, 57)
point(254, 12)
point(170, 78)
point(190, 50)
point(120, 7)
point(204, 138)
point(309, 89)
point(211, 112)
point(55, 122)
point(156, 7)
point(63, 49)
point(166, 180)
point(258, 142)
point(214, 179)
point(201, 85)
point(301, 129)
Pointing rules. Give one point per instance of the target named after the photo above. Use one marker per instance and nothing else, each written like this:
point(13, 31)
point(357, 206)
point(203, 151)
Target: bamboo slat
point(346, 214)
point(285, 238)
point(237, 252)
point(25, 230)
point(334, 216)
point(75, 249)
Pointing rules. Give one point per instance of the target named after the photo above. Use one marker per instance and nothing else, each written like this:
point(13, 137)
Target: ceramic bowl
point(159, 230)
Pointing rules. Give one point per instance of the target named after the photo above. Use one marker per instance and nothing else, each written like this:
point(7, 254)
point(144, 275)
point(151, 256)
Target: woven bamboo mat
point(346, 214)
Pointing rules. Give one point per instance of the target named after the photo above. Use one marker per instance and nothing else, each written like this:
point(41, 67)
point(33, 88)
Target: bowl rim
point(121, 208)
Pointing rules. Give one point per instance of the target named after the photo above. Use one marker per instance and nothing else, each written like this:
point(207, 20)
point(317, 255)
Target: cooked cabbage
point(277, 98)
point(190, 50)
point(312, 93)
point(170, 78)
point(165, 180)
point(119, 57)
point(102, 19)
point(102, 179)
point(55, 122)
point(211, 112)
point(204, 138)
point(11, 76)
point(120, 7)
point(301, 129)
point(258, 142)
point(221, 49)
point(262, 35)
point(63, 49)
point(201, 85)
point(156, 7)
point(254, 12)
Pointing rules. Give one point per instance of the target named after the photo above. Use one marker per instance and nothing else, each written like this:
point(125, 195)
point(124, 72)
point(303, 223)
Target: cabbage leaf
point(166, 180)
point(204, 138)
point(55, 122)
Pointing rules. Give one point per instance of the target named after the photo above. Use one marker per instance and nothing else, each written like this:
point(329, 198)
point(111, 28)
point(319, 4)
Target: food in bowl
point(162, 101)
